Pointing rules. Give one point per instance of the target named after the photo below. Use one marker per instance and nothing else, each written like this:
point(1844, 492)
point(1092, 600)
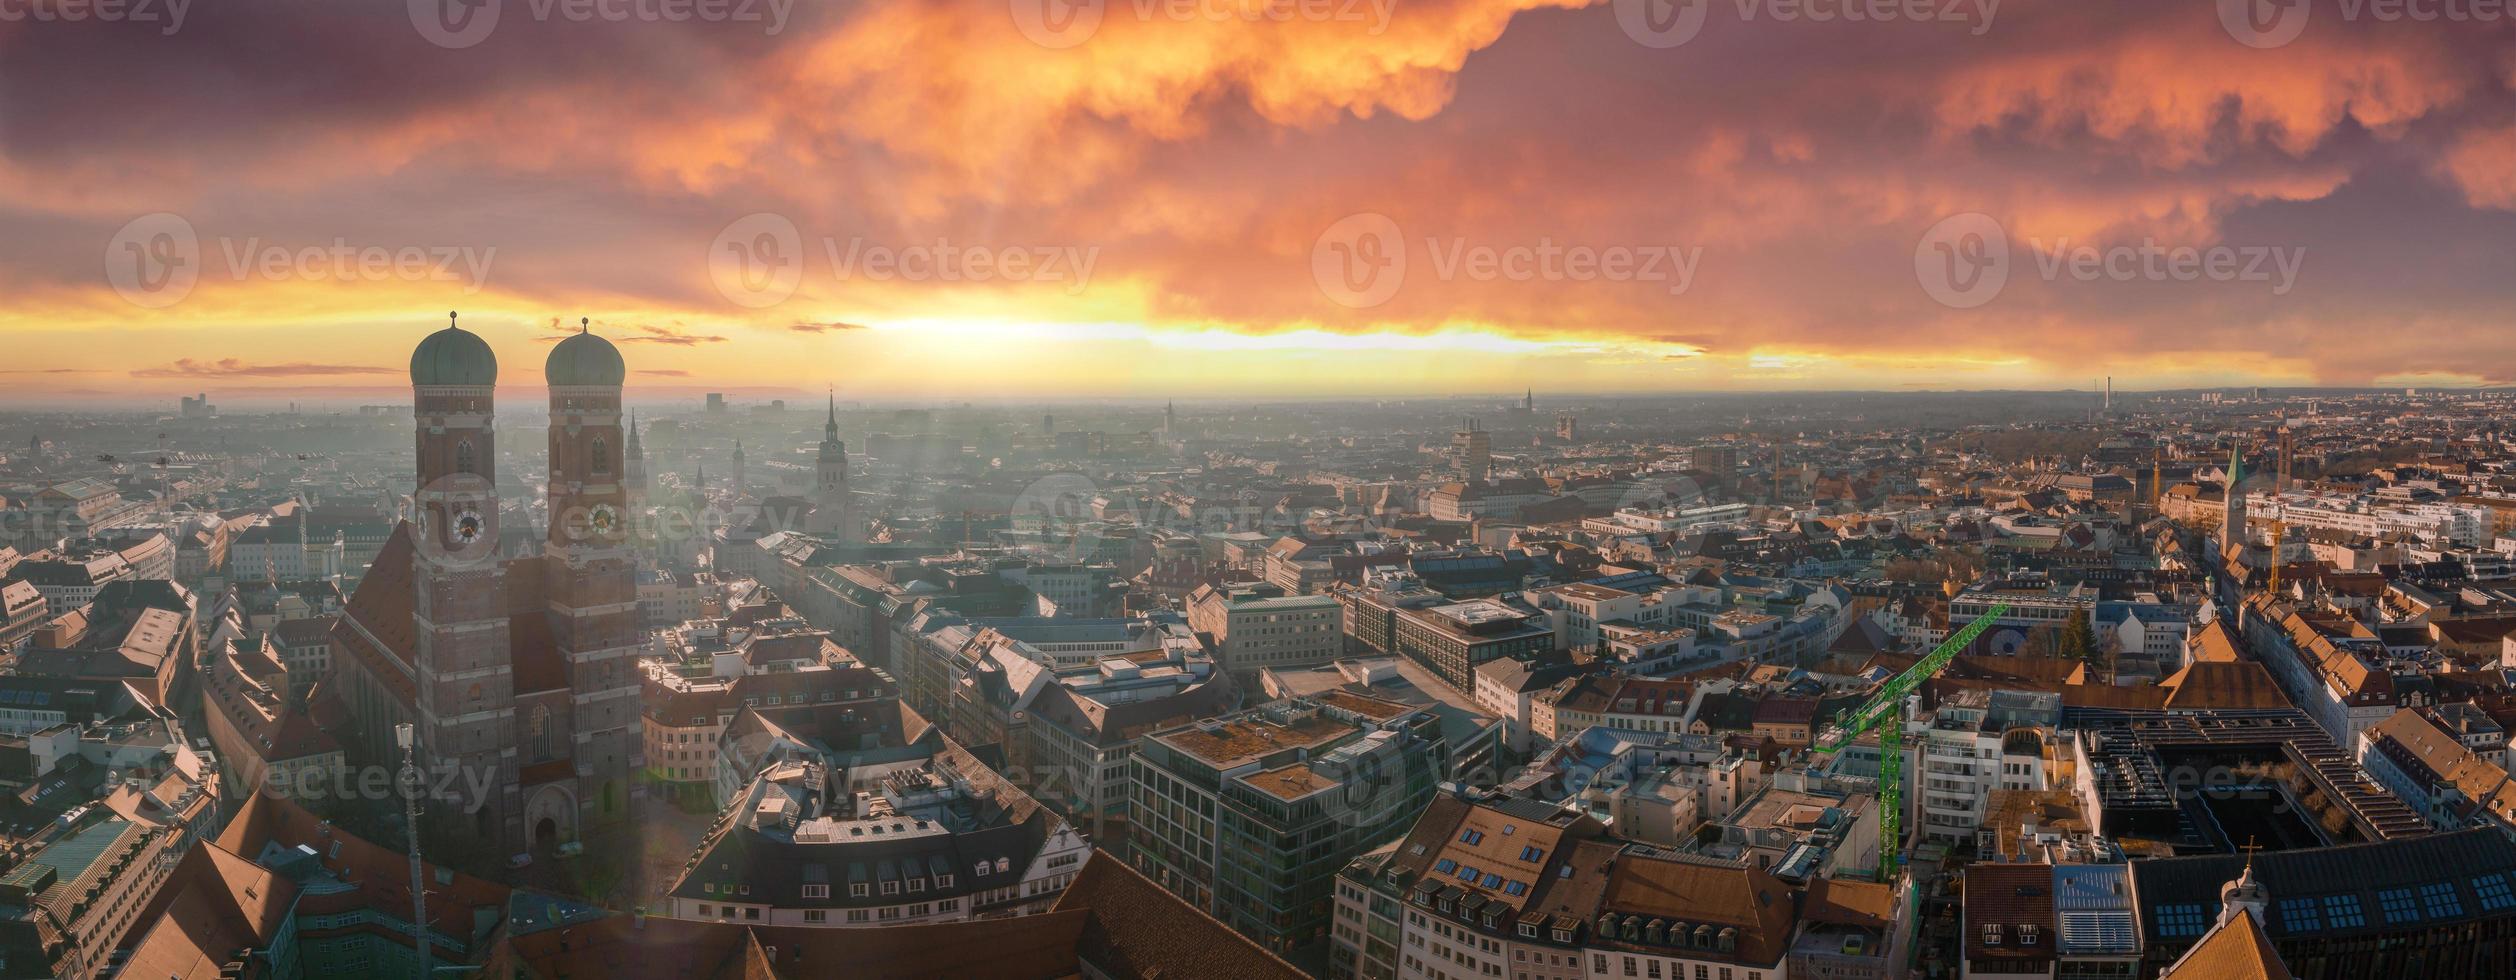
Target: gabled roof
point(213, 904)
point(2238, 949)
point(1030, 947)
point(1138, 930)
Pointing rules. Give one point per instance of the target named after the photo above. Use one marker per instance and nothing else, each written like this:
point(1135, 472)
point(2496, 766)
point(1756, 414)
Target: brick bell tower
point(589, 572)
point(464, 705)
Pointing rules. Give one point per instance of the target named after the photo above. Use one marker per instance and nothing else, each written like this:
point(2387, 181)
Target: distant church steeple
point(830, 502)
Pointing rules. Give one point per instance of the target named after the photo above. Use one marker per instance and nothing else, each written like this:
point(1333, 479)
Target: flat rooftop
point(1290, 782)
point(1224, 744)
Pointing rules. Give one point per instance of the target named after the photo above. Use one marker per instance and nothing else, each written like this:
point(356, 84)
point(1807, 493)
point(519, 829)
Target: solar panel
point(2098, 931)
point(2300, 915)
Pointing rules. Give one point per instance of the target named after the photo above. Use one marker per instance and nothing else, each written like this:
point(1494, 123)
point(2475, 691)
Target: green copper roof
point(585, 359)
point(453, 356)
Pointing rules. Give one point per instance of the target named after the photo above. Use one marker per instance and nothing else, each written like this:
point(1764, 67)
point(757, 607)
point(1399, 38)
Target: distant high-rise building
point(716, 401)
point(1473, 451)
point(739, 487)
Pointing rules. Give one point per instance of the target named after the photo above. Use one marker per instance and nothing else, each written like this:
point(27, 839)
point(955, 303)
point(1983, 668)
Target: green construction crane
point(1884, 712)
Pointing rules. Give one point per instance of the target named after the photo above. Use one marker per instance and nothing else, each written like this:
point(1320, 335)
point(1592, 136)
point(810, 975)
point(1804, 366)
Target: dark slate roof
point(2338, 892)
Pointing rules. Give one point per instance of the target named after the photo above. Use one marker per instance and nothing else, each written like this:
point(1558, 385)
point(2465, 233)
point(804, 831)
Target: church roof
point(585, 359)
point(453, 356)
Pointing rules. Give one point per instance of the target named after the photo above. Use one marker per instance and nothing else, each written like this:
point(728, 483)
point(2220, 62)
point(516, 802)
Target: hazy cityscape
point(1250, 489)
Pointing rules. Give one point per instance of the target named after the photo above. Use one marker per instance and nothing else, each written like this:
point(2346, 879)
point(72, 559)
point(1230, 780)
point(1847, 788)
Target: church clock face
point(605, 519)
point(467, 526)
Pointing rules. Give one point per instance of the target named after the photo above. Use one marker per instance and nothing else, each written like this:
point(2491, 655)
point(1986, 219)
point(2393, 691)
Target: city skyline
point(1415, 199)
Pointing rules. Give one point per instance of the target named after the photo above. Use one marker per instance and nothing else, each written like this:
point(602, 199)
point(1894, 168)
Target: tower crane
point(1884, 713)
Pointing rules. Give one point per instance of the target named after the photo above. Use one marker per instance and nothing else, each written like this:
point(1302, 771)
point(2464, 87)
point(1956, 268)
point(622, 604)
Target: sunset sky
point(1182, 186)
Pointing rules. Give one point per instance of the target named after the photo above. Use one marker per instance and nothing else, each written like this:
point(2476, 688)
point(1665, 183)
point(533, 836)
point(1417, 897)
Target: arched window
point(540, 731)
point(463, 458)
point(602, 457)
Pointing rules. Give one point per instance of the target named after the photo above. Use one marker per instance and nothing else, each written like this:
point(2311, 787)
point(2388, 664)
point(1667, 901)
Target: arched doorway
point(550, 815)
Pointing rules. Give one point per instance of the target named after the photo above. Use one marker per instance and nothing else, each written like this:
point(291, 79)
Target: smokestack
point(2109, 394)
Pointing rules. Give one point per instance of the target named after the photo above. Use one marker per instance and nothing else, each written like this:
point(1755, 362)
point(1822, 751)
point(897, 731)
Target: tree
point(2079, 637)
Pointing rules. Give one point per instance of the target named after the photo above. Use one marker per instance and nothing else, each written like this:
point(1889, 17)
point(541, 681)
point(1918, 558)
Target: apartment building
point(1263, 627)
point(919, 838)
point(1250, 816)
point(1974, 743)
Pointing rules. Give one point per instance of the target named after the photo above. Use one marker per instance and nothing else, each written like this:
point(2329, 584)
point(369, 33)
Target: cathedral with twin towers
point(518, 672)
